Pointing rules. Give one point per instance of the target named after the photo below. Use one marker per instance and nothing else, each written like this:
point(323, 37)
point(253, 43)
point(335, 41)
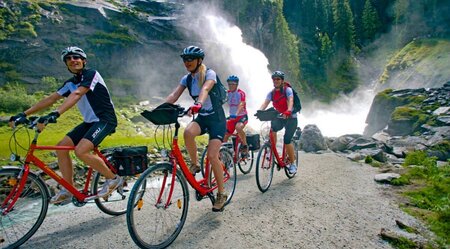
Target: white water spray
point(225, 47)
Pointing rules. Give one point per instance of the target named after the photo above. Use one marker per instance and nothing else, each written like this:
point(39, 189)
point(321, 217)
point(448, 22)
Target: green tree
point(370, 21)
point(344, 35)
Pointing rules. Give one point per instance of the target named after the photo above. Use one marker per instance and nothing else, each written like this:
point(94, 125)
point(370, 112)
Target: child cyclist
point(238, 113)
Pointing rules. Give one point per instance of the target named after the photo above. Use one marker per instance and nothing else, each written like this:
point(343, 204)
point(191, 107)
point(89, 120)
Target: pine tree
point(370, 21)
point(344, 35)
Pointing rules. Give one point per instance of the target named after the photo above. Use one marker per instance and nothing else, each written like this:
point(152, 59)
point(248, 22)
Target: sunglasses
point(73, 57)
point(188, 59)
point(232, 83)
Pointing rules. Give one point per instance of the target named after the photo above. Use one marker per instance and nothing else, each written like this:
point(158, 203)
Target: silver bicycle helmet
point(72, 50)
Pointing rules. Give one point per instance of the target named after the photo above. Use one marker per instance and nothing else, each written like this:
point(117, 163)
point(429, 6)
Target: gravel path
point(331, 203)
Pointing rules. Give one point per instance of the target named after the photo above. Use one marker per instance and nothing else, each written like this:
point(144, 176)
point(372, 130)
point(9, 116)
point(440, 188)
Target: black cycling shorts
point(216, 128)
point(94, 132)
point(289, 124)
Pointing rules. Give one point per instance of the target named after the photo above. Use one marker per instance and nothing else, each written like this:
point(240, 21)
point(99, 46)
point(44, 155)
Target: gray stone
point(312, 139)
point(386, 177)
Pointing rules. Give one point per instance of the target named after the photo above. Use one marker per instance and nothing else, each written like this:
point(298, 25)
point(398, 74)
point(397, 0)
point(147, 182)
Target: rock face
point(404, 112)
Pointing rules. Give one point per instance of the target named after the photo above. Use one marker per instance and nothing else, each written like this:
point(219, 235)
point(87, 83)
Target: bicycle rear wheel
point(116, 202)
point(264, 168)
point(229, 174)
point(160, 214)
point(29, 211)
point(296, 148)
point(245, 163)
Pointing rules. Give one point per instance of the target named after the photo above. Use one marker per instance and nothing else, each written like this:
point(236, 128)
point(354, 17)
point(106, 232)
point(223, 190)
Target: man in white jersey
point(88, 90)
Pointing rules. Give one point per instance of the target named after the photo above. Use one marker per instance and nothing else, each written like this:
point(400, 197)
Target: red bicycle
point(24, 196)
point(161, 192)
point(268, 155)
point(242, 159)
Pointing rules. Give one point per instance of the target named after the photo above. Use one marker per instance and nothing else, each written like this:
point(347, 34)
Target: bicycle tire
point(286, 171)
point(150, 223)
point(245, 164)
point(29, 210)
point(265, 165)
point(229, 185)
point(116, 203)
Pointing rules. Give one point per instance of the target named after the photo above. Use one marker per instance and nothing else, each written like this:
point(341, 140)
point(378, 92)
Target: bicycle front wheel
point(229, 174)
point(116, 202)
point(157, 207)
point(245, 162)
point(264, 168)
point(23, 220)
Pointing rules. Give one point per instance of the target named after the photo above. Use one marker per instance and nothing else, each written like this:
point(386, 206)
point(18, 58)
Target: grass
point(126, 135)
point(427, 188)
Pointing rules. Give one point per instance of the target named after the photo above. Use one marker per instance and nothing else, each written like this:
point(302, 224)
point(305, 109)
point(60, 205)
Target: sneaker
point(110, 185)
point(292, 168)
point(194, 169)
point(220, 202)
point(244, 151)
point(62, 197)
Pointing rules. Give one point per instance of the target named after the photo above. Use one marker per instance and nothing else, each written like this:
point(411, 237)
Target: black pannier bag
point(130, 161)
point(164, 114)
point(253, 141)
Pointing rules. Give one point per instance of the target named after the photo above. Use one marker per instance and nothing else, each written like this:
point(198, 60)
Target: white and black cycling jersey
point(96, 105)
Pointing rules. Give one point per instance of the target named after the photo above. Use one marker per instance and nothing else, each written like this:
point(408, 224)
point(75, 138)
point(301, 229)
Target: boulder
point(312, 139)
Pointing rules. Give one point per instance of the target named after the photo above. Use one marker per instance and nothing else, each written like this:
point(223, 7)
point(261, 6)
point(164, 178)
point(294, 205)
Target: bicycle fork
point(18, 186)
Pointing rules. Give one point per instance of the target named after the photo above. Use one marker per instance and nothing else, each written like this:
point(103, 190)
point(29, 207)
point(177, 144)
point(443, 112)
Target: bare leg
point(64, 160)
point(191, 131)
point(216, 164)
point(240, 130)
point(83, 150)
point(291, 152)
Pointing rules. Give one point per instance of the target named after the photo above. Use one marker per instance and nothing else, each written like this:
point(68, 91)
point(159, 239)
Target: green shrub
point(14, 98)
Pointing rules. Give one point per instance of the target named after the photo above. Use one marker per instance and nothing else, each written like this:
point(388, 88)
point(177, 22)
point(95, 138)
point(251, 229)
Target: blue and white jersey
point(96, 105)
point(207, 107)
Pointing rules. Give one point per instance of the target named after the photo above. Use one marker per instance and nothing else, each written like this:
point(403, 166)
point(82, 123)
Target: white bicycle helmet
point(72, 50)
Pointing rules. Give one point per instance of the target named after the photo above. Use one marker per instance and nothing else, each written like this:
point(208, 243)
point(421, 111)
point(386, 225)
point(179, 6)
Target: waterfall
point(226, 50)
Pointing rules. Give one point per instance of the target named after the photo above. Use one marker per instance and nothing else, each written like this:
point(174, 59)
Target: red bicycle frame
point(176, 158)
point(273, 146)
point(82, 196)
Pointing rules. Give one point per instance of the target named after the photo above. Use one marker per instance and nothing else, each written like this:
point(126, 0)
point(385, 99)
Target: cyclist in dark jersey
point(210, 119)
point(283, 102)
point(88, 90)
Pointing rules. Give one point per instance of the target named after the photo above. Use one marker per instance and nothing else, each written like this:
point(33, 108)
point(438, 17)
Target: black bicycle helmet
point(279, 74)
point(193, 51)
point(72, 50)
point(233, 78)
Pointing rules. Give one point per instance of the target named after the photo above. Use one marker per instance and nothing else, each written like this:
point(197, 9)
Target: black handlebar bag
point(164, 114)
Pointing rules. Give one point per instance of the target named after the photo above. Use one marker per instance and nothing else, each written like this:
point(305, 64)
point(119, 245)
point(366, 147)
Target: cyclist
point(238, 113)
point(210, 119)
point(283, 102)
point(88, 90)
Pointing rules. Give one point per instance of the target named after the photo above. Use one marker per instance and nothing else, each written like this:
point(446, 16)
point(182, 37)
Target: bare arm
point(264, 105)
point(290, 103)
point(207, 86)
point(72, 99)
point(44, 103)
point(240, 107)
point(173, 97)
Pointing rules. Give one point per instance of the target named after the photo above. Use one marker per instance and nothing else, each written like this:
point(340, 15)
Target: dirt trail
point(331, 203)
